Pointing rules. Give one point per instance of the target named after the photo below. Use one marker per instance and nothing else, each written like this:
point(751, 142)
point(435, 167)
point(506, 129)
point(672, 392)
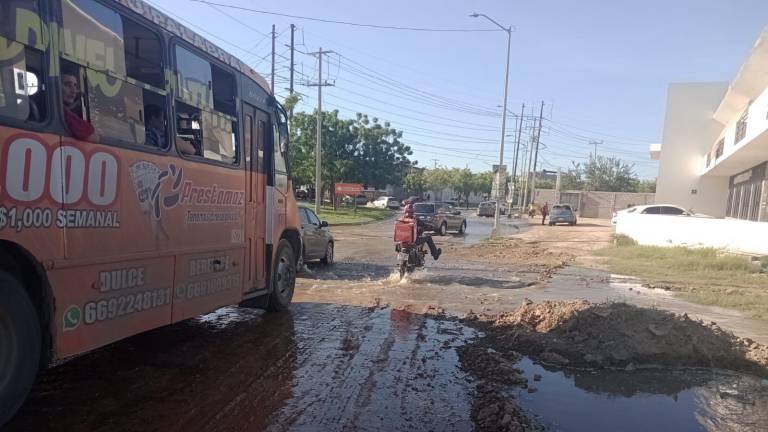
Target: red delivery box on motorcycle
point(405, 231)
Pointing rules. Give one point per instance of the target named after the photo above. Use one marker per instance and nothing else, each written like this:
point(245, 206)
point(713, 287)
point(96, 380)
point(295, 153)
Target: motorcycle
point(410, 255)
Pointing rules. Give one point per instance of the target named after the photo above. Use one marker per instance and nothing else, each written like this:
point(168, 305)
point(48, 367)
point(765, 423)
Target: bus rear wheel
point(283, 277)
point(20, 345)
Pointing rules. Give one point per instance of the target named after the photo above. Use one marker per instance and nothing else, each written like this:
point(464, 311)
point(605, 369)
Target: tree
point(647, 186)
point(542, 183)
point(463, 182)
point(359, 150)
point(437, 179)
point(414, 182)
point(609, 174)
point(484, 182)
point(572, 179)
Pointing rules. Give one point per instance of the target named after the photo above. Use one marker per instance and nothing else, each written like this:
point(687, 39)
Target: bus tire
point(20, 345)
point(283, 277)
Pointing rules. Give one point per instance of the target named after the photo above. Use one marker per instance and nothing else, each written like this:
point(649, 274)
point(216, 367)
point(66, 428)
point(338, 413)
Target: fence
point(594, 204)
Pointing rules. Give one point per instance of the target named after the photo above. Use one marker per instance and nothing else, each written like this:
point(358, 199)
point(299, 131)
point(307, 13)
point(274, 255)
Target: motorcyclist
point(420, 237)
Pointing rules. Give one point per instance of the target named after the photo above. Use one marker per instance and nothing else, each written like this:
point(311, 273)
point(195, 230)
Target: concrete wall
point(598, 204)
point(689, 131)
point(728, 234)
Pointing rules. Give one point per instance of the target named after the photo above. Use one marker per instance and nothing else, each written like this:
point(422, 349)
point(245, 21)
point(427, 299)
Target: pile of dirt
point(582, 334)
point(493, 409)
point(529, 256)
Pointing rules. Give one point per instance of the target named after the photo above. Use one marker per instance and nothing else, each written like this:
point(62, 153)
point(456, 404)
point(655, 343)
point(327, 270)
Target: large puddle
point(645, 400)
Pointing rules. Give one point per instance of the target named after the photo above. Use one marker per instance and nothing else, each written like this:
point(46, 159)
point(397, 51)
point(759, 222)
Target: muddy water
point(643, 400)
point(318, 367)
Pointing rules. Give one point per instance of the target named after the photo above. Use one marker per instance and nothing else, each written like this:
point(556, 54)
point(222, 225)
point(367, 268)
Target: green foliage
point(701, 275)
point(572, 179)
point(414, 182)
point(484, 182)
point(544, 184)
point(360, 150)
point(647, 186)
point(610, 174)
point(607, 174)
point(350, 216)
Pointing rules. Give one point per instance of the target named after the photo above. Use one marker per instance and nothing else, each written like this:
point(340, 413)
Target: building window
point(709, 159)
point(741, 127)
point(719, 148)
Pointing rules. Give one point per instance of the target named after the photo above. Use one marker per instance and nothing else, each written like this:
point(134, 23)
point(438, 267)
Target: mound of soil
point(529, 256)
point(578, 333)
point(492, 408)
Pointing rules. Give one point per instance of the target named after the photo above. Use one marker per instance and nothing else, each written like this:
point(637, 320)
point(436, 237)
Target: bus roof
point(184, 32)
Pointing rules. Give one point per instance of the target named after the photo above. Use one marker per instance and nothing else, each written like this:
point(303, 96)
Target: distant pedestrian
point(544, 212)
point(427, 196)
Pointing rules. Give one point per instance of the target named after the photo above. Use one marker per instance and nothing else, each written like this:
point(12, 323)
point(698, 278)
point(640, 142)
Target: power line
point(330, 21)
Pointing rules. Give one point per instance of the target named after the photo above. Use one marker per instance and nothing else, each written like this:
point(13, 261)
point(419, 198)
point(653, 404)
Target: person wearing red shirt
point(70, 93)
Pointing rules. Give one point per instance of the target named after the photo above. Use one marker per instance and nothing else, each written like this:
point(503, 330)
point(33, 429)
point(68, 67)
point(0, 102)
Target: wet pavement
point(362, 350)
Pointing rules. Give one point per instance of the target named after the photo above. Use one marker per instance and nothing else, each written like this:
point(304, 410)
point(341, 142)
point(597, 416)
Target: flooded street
point(362, 350)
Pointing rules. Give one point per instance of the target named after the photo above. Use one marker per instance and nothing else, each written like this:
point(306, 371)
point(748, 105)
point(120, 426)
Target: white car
point(657, 209)
point(386, 202)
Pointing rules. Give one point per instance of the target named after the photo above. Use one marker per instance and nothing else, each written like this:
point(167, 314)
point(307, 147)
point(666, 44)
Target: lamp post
point(503, 119)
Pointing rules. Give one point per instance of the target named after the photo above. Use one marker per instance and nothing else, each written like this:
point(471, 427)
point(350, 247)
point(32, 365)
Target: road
point(359, 349)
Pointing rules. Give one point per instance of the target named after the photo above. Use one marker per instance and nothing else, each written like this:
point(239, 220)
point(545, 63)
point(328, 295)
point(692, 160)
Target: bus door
point(255, 127)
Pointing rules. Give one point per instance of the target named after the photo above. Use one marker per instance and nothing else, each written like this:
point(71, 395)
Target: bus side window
point(205, 109)
point(22, 91)
point(22, 81)
point(114, 89)
point(189, 131)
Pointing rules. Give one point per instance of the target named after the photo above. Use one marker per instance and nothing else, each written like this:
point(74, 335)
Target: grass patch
point(347, 215)
point(700, 275)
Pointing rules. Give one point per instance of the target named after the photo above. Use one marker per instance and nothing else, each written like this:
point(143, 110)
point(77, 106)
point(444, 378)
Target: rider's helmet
point(408, 210)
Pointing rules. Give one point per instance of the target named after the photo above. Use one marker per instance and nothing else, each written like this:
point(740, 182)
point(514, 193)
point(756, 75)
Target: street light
point(503, 119)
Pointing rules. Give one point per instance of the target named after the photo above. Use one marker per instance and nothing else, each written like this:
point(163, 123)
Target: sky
point(601, 67)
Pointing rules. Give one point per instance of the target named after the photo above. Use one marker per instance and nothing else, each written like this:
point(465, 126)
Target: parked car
point(488, 209)
point(316, 241)
point(360, 200)
point(440, 217)
point(387, 202)
point(301, 194)
point(657, 209)
point(562, 213)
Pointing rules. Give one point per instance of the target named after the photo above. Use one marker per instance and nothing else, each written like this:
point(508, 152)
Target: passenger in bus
point(155, 126)
point(73, 109)
point(188, 135)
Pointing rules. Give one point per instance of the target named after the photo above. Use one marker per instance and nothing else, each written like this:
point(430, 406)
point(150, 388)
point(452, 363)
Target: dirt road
point(362, 350)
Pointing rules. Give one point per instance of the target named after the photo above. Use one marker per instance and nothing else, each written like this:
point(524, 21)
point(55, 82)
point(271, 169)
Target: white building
point(714, 152)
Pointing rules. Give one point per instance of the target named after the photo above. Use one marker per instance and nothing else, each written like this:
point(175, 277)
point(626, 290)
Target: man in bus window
point(73, 109)
point(155, 126)
point(188, 139)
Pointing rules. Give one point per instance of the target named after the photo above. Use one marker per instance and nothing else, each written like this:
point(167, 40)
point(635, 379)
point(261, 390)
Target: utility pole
point(595, 143)
point(527, 183)
point(536, 150)
point(499, 173)
point(517, 152)
point(293, 29)
point(435, 161)
point(273, 59)
point(522, 182)
point(319, 144)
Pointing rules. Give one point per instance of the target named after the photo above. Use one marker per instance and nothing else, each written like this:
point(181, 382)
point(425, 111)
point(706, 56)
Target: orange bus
point(143, 181)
